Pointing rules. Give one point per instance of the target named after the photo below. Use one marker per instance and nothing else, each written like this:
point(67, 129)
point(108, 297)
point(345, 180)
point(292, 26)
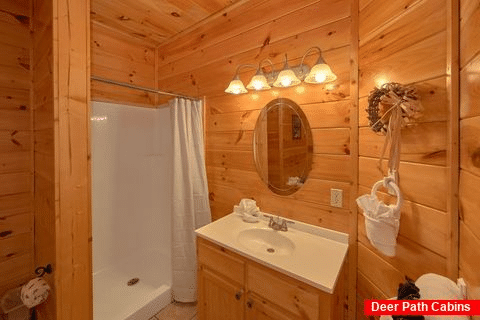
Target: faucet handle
point(271, 221)
point(285, 223)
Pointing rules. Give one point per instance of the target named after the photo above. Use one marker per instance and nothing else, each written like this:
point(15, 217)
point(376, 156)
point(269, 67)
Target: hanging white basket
point(382, 221)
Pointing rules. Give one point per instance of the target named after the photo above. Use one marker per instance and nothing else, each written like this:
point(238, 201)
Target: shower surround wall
point(131, 208)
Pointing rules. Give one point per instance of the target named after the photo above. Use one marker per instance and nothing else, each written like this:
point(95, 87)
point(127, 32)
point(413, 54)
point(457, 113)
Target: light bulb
point(320, 77)
point(286, 81)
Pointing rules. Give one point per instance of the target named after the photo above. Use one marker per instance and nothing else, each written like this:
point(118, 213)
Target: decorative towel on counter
point(382, 221)
point(247, 208)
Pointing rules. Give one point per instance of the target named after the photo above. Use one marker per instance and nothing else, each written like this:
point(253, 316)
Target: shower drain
point(270, 250)
point(133, 281)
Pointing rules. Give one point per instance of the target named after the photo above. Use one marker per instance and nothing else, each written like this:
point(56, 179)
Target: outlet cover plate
point(336, 198)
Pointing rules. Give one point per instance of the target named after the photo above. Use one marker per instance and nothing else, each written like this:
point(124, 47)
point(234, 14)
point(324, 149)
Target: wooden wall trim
point(453, 151)
point(73, 274)
point(16, 145)
point(354, 152)
point(469, 237)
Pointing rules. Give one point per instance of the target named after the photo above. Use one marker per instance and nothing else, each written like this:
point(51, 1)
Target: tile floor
point(177, 311)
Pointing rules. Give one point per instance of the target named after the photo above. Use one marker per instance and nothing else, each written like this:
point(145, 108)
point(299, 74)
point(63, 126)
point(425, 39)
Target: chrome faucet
point(278, 224)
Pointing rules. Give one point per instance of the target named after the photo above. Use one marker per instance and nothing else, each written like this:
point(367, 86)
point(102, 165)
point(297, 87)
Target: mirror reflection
point(283, 146)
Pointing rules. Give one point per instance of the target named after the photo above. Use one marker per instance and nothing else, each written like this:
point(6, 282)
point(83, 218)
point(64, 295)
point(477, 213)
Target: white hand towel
point(381, 221)
point(248, 209)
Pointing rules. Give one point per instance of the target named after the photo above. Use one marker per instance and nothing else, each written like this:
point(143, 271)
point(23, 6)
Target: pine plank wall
point(16, 145)
point(365, 42)
point(43, 102)
point(391, 49)
point(470, 145)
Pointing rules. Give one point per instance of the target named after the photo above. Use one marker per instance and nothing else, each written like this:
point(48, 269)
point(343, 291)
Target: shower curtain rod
point(131, 86)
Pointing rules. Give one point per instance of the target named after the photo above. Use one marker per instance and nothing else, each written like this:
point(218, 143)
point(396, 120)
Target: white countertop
point(316, 260)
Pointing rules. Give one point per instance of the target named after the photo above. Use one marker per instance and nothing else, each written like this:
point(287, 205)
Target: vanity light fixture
point(259, 80)
point(236, 86)
point(321, 72)
point(287, 77)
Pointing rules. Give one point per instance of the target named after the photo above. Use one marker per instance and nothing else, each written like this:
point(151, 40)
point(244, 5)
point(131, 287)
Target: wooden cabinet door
point(219, 298)
point(260, 309)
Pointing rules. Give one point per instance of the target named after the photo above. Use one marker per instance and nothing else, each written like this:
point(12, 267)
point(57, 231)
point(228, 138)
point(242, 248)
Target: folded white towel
point(381, 221)
point(248, 209)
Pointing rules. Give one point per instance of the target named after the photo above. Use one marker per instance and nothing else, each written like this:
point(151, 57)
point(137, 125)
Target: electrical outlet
point(336, 198)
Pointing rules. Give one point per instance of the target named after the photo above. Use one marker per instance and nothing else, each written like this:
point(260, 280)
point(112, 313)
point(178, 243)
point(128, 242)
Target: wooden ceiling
point(154, 20)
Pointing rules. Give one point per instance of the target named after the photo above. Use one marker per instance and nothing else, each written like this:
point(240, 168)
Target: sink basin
point(266, 241)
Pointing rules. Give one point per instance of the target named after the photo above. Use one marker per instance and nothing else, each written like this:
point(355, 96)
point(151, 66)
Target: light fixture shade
point(320, 73)
point(286, 78)
point(236, 86)
point(259, 82)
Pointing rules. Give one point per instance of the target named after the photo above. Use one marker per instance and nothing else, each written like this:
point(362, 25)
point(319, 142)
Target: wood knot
point(5, 233)
point(22, 19)
point(139, 35)
point(266, 42)
point(175, 14)
point(476, 158)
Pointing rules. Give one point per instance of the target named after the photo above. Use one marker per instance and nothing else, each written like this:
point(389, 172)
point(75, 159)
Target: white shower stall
point(131, 210)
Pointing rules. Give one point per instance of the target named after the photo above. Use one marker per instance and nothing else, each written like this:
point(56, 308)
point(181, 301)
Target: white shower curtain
point(191, 208)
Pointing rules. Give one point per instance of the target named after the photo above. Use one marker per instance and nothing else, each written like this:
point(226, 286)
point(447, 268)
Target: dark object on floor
point(408, 291)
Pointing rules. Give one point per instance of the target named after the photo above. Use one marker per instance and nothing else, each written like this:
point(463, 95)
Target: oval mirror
point(282, 146)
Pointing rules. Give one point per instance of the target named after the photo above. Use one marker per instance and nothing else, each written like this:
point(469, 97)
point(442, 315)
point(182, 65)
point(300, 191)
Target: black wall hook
point(40, 271)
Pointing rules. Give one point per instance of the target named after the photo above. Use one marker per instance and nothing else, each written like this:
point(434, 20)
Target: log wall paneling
point(43, 101)
point(61, 95)
point(120, 57)
point(16, 145)
point(425, 58)
point(73, 279)
point(354, 152)
point(469, 241)
point(154, 21)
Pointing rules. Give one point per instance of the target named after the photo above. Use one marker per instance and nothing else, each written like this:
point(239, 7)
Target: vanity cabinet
point(231, 286)
point(221, 283)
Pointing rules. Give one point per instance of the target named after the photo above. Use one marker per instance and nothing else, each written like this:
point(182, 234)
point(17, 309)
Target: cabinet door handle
point(250, 303)
point(238, 295)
